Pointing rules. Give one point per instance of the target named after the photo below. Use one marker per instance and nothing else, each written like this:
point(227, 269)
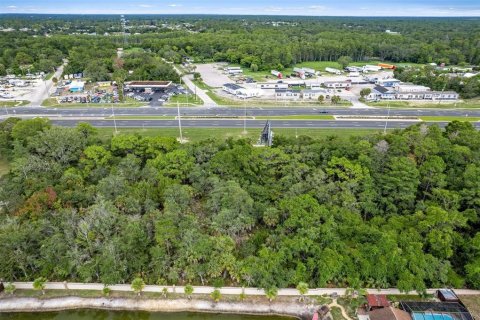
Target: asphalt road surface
point(380, 124)
point(102, 117)
point(235, 111)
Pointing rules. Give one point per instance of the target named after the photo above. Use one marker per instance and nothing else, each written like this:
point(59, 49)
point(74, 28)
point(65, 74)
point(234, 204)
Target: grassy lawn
point(223, 101)
point(141, 118)
point(473, 304)
point(16, 103)
point(52, 102)
point(337, 314)
point(434, 118)
point(183, 100)
point(199, 134)
point(351, 304)
point(202, 85)
point(467, 104)
point(4, 167)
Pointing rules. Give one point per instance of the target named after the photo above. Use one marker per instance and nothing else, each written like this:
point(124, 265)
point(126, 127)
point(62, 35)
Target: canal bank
point(276, 308)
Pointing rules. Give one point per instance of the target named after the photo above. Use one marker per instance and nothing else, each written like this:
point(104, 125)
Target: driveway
point(44, 90)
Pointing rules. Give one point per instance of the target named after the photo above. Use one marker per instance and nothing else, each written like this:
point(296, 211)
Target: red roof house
point(377, 301)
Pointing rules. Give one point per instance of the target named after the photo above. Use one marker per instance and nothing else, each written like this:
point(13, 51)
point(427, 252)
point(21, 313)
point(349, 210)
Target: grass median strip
point(141, 118)
point(448, 119)
point(202, 117)
point(296, 117)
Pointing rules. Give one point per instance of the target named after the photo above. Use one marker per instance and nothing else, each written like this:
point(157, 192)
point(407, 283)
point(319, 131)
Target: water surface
point(129, 315)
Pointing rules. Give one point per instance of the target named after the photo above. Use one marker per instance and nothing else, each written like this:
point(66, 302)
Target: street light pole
point(245, 116)
point(388, 115)
point(114, 120)
point(179, 123)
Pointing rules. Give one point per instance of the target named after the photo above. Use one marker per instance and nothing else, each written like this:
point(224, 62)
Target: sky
point(443, 8)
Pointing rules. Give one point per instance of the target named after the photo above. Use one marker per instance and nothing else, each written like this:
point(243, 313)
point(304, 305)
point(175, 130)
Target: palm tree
point(137, 285)
point(216, 295)
point(10, 288)
point(189, 291)
point(39, 284)
point(165, 292)
point(302, 288)
point(271, 293)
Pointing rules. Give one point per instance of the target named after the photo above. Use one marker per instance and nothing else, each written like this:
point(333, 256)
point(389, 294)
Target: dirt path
point(344, 313)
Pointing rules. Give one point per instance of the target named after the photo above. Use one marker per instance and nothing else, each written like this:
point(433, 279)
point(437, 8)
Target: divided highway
point(102, 117)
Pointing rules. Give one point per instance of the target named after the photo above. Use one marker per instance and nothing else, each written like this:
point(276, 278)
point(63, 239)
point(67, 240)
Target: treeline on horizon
point(252, 42)
point(395, 210)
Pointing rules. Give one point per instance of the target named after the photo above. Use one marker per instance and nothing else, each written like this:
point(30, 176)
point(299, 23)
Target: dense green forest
point(399, 209)
point(254, 42)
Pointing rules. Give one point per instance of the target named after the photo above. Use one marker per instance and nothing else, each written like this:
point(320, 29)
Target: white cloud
point(317, 7)
point(145, 6)
point(173, 5)
point(12, 7)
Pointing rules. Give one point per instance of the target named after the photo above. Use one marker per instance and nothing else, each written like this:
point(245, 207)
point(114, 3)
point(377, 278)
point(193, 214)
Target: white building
point(338, 84)
point(232, 88)
point(387, 82)
point(406, 88)
point(240, 91)
point(272, 85)
point(285, 94)
point(233, 70)
point(313, 94)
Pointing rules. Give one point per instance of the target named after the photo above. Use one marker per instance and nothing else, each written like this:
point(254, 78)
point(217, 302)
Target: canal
point(130, 315)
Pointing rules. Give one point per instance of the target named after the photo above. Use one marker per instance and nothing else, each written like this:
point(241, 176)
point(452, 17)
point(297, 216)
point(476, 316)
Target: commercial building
point(285, 94)
point(338, 84)
point(76, 86)
point(232, 88)
point(148, 85)
point(272, 85)
point(410, 92)
point(314, 94)
point(406, 87)
point(387, 82)
point(240, 91)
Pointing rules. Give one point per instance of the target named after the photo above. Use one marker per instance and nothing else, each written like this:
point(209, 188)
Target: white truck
point(333, 70)
point(277, 74)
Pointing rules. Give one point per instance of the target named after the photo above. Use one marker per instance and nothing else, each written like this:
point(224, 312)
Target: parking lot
point(213, 74)
point(157, 97)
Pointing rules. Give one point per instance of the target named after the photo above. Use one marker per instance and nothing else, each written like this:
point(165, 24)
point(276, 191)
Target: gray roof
point(382, 89)
point(232, 86)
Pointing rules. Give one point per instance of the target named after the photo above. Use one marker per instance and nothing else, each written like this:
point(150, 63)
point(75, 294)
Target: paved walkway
point(224, 290)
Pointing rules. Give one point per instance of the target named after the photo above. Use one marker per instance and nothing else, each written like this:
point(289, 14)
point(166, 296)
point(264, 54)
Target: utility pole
point(6, 110)
point(179, 122)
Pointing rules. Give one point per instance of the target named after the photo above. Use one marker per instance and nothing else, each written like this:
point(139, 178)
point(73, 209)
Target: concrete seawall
point(296, 310)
